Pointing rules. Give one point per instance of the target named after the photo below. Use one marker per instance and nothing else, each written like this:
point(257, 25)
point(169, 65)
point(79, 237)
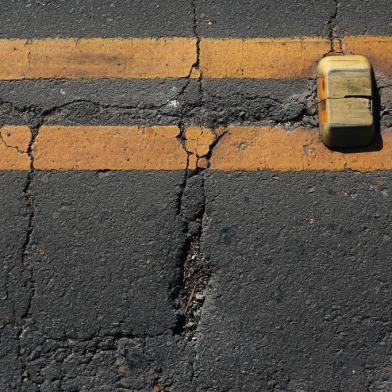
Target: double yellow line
point(162, 58)
point(160, 147)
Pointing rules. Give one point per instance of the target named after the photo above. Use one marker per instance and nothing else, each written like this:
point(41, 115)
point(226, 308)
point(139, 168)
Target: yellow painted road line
point(235, 148)
point(285, 58)
point(250, 148)
point(95, 58)
point(162, 58)
point(109, 147)
point(377, 48)
point(14, 145)
point(261, 58)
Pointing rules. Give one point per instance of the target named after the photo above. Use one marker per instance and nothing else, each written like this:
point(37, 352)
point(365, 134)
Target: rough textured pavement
point(292, 270)
point(300, 296)
point(96, 18)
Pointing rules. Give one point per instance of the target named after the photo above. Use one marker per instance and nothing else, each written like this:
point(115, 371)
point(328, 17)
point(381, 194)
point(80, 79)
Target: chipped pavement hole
point(197, 272)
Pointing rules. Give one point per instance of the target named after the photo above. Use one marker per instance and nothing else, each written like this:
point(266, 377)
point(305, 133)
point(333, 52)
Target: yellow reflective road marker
point(345, 101)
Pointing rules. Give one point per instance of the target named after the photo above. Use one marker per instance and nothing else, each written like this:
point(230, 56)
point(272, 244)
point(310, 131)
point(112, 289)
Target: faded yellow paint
point(14, 145)
point(250, 148)
point(109, 147)
point(378, 49)
point(261, 58)
point(94, 58)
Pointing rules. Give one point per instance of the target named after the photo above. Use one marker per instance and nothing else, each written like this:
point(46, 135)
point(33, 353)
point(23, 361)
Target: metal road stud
point(345, 101)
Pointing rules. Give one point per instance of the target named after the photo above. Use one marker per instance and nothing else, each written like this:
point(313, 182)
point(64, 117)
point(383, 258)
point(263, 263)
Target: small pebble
point(199, 297)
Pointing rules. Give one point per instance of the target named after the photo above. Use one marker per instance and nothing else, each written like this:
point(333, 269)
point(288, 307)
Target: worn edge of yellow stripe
point(235, 148)
point(176, 57)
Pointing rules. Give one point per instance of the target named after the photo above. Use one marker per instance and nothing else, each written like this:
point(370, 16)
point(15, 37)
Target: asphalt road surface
point(180, 280)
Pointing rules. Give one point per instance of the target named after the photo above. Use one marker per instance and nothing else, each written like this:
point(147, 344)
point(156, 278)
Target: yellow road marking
point(250, 148)
point(173, 57)
point(261, 58)
point(235, 148)
point(108, 147)
point(95, 58)
point(14, 144)
point(378, 49)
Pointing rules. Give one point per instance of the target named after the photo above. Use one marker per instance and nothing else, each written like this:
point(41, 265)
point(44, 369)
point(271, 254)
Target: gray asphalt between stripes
point(149, 102)
point(97, 102)
point(157, 101)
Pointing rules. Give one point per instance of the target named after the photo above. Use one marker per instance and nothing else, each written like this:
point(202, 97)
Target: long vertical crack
point(25, 253)
point(195, 72)
point(198, 51)
point(26, 256)
point(194, 269)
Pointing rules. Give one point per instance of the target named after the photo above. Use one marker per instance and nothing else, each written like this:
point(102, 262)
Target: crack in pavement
point(192, 114)
point(26, 253)
point(336, 42)
point(188, 291)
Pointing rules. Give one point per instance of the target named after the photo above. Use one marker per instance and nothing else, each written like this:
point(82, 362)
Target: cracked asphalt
point(191, 280)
